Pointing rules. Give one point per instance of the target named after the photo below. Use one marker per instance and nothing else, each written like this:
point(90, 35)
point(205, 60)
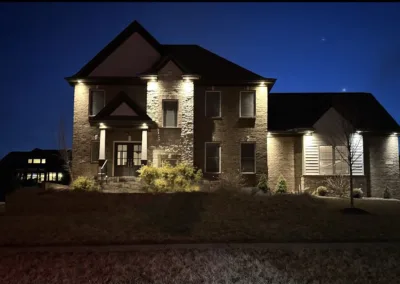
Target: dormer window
point(97, 101)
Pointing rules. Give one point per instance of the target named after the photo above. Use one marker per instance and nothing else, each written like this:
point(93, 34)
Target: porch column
point(102, 148)
point(144, 146)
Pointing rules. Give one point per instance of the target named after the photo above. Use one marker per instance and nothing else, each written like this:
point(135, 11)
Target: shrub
point(182, 177)
point(231, 181)
point(339, 185)
point(263, 183)
point(357, 193)
point(84, 183)
point(387, 193)
point(321, 191)
point(281, 186)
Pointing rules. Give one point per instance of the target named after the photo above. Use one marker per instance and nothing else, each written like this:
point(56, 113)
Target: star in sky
point(323, 39)
point(344, 90)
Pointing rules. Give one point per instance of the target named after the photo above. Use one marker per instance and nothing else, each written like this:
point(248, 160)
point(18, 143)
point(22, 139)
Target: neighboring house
point(138, 101)
point(34, 167)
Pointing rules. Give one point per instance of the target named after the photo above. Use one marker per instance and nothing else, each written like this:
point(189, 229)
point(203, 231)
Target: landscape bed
point(38, 217)
point(275, 266)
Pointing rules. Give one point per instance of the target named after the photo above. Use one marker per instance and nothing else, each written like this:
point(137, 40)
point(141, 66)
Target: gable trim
point(114, 44)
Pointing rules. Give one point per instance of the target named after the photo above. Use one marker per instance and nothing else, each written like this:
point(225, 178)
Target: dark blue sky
point(306, 46)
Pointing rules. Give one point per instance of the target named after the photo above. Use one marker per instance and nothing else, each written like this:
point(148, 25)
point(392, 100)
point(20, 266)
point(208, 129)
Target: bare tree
point(65, 153)
point(347, 142)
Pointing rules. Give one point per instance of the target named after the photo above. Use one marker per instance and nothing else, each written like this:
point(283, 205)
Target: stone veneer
point(175, 141)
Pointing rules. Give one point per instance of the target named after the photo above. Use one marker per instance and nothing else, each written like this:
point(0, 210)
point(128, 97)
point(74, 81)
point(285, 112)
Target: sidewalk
point(203, 246)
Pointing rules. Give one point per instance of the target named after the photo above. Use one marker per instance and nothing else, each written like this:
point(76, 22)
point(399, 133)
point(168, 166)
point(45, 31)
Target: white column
point(102, 148)
point(144, 145)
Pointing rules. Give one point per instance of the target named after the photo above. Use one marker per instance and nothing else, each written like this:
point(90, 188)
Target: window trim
point(205, 157)
point(220, 104)
point(177, 112)
point(240, 103)
point(91, 99)
point(91, 151)
point(255, 169)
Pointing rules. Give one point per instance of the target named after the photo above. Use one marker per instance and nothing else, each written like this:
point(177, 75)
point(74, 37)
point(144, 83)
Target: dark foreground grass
point(35, 217)
point(278, 266)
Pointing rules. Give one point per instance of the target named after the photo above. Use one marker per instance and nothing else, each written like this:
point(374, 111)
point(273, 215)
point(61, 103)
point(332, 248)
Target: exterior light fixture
point(309, 132)
point(358, 131)
point(262, 84)
point(394, 133)
point(79, 81)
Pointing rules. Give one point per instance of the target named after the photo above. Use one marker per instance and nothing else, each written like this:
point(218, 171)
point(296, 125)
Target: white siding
point(311, 145)
point(358, 154)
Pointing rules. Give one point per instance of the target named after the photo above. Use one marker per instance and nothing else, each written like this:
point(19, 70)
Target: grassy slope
point(205, 266)
point(34, 217)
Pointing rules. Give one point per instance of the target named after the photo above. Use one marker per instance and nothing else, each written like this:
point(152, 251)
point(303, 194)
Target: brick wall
point(383, 164)
point(285, 157)
point(230, 130)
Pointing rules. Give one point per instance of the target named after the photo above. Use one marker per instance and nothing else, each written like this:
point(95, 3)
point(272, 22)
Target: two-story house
point(138, 101)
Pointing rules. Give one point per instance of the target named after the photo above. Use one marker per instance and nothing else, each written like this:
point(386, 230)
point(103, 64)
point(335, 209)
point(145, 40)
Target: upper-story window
point(247, 106)
point(213, 104)
point(97, 101)
point(36, 161)
point(170, 113)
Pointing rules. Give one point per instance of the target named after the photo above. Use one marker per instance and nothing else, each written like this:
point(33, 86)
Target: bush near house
point(340, 185)
point(85, 184)
point(357, 193)
point(387, 193)
point(263, 184)
point(281, 185)
point(182, 177)
point(321, 191)
point(231, 181)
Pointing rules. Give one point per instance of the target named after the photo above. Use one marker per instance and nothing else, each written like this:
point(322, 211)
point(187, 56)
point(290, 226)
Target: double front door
point(127, 158)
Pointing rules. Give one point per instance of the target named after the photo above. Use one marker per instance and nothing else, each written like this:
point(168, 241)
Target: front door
point(127, 160)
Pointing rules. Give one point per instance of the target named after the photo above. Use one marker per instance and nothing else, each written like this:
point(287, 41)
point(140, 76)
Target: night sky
point(314, 47)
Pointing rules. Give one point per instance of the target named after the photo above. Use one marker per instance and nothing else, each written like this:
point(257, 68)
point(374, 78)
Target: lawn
point(275, 266)
point(36, 217)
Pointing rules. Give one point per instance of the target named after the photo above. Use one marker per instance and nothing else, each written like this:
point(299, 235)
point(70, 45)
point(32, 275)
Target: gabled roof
point(114, 44)
point(163, 62)
point(192, 59)
point(106, 113)
point(288, 111)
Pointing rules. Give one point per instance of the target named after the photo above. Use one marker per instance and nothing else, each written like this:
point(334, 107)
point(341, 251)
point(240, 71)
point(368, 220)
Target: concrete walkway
point(152, 247)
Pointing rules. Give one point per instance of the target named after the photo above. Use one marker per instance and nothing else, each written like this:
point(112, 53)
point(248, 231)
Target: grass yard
point(37, 217)
point(374, 266)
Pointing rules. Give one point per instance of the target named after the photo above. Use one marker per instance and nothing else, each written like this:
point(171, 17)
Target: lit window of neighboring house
point(52, 176)
point(36, 161)
point(30, 161)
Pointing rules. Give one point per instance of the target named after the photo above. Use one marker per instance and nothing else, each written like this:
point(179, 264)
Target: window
point(332, 160)
point(170, 113)
point(94, 151)
point(36, 161)
point(213, 153)
point(29, 161)
point(122, 155)
point(213, 104)
point(247, 104)
point(52, 176)
point(137, 154)
point(247, 157)
point(96, 101)
point(59, 176)
point(43, 161)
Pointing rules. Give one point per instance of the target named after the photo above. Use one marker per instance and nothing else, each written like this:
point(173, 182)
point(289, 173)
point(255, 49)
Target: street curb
point(204, 246)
